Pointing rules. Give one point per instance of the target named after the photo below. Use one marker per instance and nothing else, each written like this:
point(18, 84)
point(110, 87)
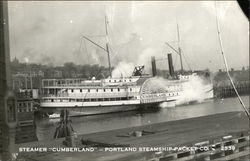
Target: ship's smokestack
point(170, 64)
point(154, 72)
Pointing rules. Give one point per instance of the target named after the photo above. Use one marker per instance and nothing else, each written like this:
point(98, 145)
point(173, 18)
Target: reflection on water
point(97, 123)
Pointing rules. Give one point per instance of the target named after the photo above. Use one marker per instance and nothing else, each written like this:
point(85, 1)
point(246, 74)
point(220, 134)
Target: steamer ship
point(87, 97)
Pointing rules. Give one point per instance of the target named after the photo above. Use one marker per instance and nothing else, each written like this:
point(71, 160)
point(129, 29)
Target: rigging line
point(94, 36)
point(80, 47)
point(165, 58)
point(86, 49)
point(175, 60)
point(172, 48)
point(110, 33)
point(94, 43)
point(187, 62)
point(115, 53)
point(226, 65)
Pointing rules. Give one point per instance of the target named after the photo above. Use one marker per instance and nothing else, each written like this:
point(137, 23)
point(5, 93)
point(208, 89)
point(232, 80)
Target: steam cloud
point(123, 69)
point(194, 90)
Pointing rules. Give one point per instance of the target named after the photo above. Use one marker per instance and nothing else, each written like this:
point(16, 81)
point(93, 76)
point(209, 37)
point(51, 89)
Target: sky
point(50, 32)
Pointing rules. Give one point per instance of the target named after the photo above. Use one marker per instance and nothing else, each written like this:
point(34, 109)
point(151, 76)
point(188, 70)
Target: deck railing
point(90, 95)
point(52, 83)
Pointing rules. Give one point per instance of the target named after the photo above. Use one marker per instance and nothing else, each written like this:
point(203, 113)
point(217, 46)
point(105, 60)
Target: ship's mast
point(179, 48)
point(107, 46)
point(103, 48)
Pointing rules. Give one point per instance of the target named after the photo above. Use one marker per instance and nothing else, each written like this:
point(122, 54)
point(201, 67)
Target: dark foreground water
point(89, 124)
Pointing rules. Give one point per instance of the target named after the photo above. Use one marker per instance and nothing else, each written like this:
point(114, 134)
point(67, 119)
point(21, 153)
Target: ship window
point(72, 90)
point(114, 80)
point(118, 89)
point(125, 80)
point(96, 90)
point(104, 90)
point(120, 81)
point(109, 80)
point(130, 89)
point(130, 80)
point(52, 100)
point(111, 89)
point(88, 90)
point(80, 90)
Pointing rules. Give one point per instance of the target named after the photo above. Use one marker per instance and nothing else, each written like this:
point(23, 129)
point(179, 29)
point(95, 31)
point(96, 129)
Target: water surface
point(96, 123)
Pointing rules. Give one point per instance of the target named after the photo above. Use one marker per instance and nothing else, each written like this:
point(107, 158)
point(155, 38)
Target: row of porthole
point(120, 80)
point(173, 94)
point(104, 90)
